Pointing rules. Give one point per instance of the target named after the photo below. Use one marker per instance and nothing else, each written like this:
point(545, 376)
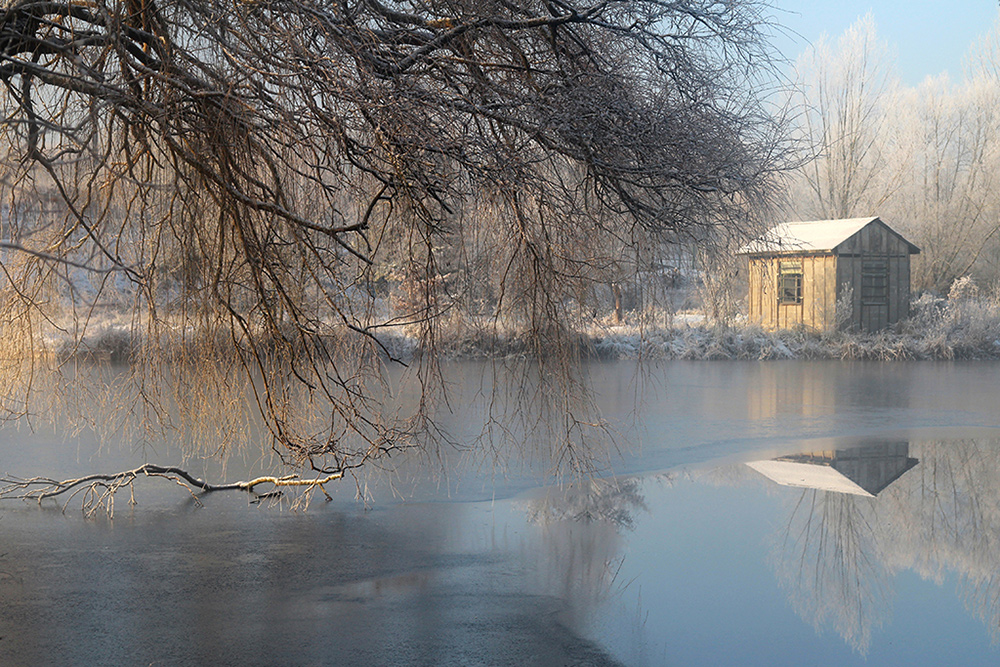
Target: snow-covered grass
point(965, 325)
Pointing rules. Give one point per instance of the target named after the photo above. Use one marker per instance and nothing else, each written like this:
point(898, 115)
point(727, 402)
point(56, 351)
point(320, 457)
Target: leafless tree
point(844, 91)
point(947, 204)
point(236, 177)
point(922, 156)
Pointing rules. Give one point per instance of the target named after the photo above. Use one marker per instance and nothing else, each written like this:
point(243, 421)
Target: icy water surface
point(775, 513)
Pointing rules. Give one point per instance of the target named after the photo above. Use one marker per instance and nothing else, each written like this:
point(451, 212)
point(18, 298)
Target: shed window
point(790, 282)
point(875, 281)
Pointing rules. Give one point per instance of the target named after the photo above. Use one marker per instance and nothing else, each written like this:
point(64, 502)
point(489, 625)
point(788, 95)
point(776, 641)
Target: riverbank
point(712, 342)
point(964, 326)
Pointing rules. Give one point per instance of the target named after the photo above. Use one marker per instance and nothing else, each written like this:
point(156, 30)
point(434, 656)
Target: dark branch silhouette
point(241, 175)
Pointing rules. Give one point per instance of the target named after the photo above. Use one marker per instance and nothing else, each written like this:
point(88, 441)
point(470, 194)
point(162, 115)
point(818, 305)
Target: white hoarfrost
point(966, 325)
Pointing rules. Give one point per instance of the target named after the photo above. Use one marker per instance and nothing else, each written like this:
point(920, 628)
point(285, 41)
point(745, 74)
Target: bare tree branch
point(251, 174)
point(99, 489)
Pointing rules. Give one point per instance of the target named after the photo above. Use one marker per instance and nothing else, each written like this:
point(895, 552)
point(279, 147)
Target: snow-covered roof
point(808, 476)
point(862, 471)
point(812, 236)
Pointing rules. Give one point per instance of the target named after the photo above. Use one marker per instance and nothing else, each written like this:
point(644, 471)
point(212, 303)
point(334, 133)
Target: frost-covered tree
point(844, 93)
point(238, 176)
point(946, 203)
point(923, 157)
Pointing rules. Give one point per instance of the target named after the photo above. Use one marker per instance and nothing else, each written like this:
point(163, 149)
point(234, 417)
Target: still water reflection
point(755, 514)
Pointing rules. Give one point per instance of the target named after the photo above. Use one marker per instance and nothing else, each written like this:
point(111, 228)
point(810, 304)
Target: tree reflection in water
point(838, 551)
point(932, 508)
point(831, 555)
point(830, 561)
point(947, 519)
point(581, 530)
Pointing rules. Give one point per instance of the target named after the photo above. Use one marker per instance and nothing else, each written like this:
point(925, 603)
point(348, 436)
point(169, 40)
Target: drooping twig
point(99, 489)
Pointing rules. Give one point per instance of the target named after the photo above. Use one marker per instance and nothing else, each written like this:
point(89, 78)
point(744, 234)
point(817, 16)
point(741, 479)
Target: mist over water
point(872, 537)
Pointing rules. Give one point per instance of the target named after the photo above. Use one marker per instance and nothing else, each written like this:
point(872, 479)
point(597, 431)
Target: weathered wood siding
point(874, 246)
point(759, 290)
point(819, 295)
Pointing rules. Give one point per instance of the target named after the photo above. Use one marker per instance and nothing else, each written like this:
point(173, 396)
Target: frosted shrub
point(966, 325)
point(927, 311)
point(970, 325)
point(963, 289)
point(844, 308)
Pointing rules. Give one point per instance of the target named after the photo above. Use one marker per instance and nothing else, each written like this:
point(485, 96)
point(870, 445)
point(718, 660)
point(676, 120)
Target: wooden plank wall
point(826, 277)
point(819, 295)
point(875, 242)
point(761, 291)
point(849, 277)
point(819, 292)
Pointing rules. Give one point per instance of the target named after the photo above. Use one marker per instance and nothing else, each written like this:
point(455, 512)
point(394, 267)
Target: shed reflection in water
point(841, 545)
point(862, 471)
point(830, 556)
point(927, 508)
point(702, 566)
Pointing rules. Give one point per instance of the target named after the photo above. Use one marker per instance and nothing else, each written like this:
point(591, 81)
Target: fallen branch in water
point(99, 489)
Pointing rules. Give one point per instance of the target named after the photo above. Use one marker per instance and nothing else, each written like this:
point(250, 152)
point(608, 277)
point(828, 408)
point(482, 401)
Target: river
point(817, 513)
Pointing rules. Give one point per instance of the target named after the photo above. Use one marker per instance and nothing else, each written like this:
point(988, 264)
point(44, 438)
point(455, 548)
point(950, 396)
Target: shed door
point(874, 293)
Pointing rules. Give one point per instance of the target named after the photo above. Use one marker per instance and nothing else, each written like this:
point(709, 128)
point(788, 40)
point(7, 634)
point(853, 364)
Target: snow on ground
point(966, 325)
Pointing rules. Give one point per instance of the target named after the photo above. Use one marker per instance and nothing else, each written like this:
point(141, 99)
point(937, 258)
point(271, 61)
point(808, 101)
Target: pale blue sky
point(928, 37)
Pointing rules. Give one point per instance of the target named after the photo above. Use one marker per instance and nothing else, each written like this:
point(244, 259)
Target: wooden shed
point(800, 271)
